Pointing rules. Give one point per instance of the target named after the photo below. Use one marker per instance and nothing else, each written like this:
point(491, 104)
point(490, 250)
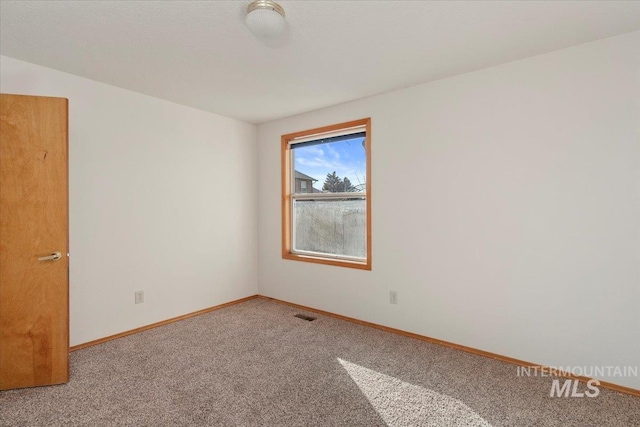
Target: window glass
point(326, 208)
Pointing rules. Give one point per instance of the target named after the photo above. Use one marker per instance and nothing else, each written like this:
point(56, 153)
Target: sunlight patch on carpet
point(400, 404)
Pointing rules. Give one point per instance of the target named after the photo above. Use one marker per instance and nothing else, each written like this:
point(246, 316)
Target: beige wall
point(523, 235)
point(162, 199)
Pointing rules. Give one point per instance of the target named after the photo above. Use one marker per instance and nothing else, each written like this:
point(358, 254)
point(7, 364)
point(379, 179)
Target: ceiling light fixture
point(265, 19)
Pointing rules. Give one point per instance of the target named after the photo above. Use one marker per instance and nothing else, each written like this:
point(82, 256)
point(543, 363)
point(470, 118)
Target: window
point(328, 219)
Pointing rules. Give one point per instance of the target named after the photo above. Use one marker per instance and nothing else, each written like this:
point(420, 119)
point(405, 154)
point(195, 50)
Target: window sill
point(328, 261)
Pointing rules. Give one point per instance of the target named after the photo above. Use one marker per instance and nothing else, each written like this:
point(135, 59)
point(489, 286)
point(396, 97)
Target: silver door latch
point(53, 257)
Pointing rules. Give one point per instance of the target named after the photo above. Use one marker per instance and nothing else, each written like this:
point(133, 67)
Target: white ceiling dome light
point(265, 19)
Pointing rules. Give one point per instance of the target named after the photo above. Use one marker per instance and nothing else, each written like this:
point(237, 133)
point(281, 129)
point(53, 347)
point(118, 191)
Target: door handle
point(55, 256)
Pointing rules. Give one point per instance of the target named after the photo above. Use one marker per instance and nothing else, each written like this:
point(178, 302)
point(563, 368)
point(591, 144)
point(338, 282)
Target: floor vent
point(302, 316)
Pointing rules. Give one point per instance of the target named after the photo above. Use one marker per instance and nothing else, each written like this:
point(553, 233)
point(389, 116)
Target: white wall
point(506, 210)
point(162, 199)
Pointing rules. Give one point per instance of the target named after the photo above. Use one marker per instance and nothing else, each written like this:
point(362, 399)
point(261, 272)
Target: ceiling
point(200, 53)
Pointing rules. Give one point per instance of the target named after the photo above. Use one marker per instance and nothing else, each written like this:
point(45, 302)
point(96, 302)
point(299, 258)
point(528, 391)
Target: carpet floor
point(255, 364)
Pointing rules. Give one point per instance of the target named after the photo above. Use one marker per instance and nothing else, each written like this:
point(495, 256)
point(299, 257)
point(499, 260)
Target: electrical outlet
point(393, 297)
point(139, 297)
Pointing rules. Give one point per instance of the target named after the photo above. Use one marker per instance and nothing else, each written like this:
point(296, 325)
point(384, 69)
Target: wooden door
point(34, 286)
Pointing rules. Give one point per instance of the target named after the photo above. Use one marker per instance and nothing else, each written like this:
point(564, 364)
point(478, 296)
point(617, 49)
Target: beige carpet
point(255, 364)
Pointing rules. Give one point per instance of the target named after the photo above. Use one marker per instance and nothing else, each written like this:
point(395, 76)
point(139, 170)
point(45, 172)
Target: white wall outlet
point(139, 297)
point(393, 297)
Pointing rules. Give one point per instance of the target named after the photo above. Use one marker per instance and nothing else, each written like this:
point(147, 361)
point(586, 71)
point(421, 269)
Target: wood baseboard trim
point(511, 360)
point(161, 323)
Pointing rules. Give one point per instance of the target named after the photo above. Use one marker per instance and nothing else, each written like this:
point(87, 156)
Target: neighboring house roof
point(300, 175)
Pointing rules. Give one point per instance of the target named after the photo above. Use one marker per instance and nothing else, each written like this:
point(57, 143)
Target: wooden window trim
point(286, 195)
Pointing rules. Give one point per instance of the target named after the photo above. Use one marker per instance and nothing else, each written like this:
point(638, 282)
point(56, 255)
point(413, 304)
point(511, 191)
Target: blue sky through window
point(347, 158)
